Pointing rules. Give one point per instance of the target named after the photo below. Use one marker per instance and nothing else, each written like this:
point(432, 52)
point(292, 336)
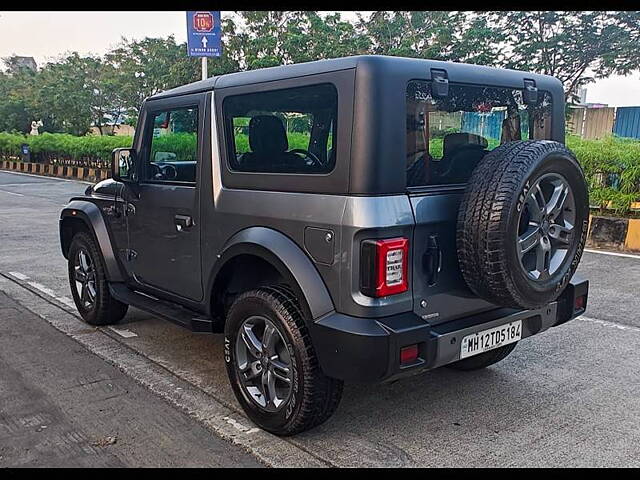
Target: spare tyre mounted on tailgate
point(522, 223)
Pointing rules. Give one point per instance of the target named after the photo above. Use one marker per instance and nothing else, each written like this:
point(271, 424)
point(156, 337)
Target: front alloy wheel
point(85, 278)
point(89, 285)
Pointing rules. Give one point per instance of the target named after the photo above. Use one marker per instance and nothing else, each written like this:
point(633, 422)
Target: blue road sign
point(203, 34)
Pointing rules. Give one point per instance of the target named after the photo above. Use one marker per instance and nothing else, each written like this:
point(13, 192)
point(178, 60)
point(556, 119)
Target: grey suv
point(358, 219)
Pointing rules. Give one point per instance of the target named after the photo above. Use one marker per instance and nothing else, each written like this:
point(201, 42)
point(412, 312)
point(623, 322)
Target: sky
point(46, 35)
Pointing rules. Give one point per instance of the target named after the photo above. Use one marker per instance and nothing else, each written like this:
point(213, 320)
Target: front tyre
point(272, 365)
point(88, 282)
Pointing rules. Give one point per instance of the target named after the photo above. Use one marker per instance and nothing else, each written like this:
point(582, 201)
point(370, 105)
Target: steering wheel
point(163, 172)
point(308, 154)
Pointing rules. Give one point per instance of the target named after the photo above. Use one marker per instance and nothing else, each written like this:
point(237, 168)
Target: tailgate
point(436, 275)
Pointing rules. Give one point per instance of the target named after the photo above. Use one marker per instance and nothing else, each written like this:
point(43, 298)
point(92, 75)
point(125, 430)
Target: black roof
point(375, 64)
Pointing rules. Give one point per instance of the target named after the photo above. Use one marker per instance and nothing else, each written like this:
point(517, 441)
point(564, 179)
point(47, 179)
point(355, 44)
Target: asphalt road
point(567, 397)
point(62, 406)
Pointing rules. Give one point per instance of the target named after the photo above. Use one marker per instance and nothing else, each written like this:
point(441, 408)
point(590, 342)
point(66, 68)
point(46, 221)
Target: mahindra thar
point(360, 219)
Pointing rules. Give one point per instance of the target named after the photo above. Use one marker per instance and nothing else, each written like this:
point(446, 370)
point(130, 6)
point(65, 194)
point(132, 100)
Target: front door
point(164, 222)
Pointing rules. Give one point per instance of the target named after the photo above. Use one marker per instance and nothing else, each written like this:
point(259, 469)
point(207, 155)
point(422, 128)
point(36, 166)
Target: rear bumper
point(368, 350)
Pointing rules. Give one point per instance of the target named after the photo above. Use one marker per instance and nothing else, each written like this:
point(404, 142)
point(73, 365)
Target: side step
point(169, 311)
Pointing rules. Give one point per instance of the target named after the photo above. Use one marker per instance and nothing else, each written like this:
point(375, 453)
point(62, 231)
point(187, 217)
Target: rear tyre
point(483, 360)
point(272, 365)
point(88, 282)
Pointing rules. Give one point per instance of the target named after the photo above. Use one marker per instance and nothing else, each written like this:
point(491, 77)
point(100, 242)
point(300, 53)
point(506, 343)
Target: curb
point(614, 233)
point(61, 171)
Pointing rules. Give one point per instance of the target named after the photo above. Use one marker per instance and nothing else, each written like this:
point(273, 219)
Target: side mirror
point(123, 165)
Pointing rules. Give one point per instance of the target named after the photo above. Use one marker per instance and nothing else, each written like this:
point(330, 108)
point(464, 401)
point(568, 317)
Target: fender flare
point(91, 215)
point(287, 257)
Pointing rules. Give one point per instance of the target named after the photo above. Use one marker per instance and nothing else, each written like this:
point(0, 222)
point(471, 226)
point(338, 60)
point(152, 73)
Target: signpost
point(203, 36)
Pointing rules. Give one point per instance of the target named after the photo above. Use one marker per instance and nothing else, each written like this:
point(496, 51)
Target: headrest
point(267, 135)
point(457, 140)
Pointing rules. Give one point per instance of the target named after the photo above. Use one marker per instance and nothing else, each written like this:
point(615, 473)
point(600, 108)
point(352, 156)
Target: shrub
point(64, 148)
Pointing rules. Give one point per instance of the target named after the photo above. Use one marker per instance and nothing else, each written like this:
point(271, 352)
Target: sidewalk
point(62, 406)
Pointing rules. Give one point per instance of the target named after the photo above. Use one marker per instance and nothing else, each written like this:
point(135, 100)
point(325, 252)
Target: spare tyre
point(522, 223)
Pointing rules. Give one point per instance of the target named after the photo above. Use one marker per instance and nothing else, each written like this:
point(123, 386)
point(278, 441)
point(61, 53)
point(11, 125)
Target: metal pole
point(204, 67)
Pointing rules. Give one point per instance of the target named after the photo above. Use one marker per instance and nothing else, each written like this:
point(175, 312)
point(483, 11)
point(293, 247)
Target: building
point(24, 62)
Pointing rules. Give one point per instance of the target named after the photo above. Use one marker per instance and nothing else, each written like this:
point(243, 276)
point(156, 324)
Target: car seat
point(269, 144)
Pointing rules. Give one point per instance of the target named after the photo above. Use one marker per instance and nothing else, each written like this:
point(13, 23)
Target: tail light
point(384, 267)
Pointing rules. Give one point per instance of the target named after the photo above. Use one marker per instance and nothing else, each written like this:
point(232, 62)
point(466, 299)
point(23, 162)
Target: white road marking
point(43, 289)
point(44, 176)
point(606, 323)
point(614, 254)
point(124, 333)
point(237, 425)
point(18, 275)
point(12, 193)
point(26, 184)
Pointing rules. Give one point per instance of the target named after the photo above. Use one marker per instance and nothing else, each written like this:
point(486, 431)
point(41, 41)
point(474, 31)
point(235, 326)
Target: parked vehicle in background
point(359, 219)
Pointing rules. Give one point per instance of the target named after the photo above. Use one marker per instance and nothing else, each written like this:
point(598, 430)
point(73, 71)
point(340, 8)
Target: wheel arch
point(79, 214)
point(270, 247)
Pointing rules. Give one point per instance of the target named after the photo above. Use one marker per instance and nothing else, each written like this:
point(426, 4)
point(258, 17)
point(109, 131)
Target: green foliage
point(296, 140)
point(612, 170)
point(63, 148)
point(183, 145)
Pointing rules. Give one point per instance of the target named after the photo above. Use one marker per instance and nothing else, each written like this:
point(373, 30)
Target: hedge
point(63, 148)
point(611, 166)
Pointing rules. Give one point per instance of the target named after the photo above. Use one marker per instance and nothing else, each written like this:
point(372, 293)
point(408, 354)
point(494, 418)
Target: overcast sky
point(46, 35)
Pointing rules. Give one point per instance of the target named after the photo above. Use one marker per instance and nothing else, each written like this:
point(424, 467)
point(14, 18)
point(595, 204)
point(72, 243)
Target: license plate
point(489, 339)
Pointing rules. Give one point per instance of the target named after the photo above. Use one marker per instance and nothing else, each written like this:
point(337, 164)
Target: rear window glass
point(283, 131)
point(447, 137)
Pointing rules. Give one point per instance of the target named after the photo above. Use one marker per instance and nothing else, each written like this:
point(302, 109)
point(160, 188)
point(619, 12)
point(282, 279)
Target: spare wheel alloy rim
point(546, 227)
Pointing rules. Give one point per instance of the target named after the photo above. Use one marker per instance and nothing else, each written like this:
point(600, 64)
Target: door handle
point(433, 260)
point(183, 222)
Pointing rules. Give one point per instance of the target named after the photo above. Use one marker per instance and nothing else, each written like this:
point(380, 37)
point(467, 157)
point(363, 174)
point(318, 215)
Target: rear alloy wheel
point(263, 363)
point(272, 365)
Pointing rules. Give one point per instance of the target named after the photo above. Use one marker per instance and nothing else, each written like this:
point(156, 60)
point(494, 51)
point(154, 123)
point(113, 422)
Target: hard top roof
point(377, 64)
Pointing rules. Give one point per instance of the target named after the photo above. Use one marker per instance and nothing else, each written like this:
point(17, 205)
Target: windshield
point(447, 138)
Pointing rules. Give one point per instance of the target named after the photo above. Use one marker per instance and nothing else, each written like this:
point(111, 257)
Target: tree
point(149, 66)
point(575, 47)
point(66, 94)
point(278, 38)
point(437, 35)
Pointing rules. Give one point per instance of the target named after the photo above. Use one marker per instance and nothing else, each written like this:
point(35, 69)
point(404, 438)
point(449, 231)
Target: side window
point(448, 137)
point(282, 131)
point(173, 154)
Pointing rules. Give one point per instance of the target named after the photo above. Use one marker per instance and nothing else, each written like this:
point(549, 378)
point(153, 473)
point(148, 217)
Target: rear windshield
point(447, 137)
